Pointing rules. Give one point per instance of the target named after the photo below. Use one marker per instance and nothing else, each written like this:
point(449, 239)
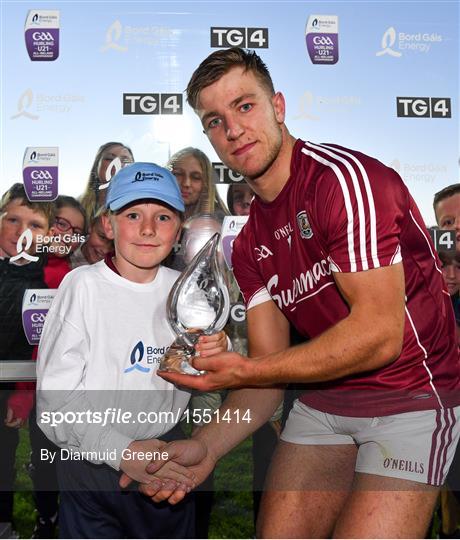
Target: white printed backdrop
point(386, 50)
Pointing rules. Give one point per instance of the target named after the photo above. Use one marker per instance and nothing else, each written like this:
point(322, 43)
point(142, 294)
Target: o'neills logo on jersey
point(301, 285)
point(404, 465)
point(304, 225)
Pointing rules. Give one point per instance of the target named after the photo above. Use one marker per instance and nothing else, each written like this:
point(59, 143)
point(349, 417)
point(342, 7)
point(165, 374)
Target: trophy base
point(178, 359)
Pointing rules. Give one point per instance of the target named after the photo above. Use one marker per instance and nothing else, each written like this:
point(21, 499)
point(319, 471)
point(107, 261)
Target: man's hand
point(135, 468)
point(13, 422)
point(189, 452)
point(227, 370)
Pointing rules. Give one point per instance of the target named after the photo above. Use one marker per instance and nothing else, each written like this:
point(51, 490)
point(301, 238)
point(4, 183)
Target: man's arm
point(268, 332)
point(369, 338)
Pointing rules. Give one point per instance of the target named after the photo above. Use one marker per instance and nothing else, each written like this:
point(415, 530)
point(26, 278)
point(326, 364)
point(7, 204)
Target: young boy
point(103, 338)
point(96, 246)
point(446, 207)
point(17, 215)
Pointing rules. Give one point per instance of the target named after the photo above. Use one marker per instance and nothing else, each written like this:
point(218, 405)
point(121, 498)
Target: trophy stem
point(178, 358)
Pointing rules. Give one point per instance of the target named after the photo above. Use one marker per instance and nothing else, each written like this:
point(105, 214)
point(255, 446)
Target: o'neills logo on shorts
point(394, 464)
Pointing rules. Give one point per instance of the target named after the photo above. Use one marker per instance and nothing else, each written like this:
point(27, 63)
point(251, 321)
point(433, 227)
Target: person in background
point(446, 205)
point(68, 233)
point(95, 248)
point(17, 215)
point(93, 198)
point(239, 197)
point(196, 179)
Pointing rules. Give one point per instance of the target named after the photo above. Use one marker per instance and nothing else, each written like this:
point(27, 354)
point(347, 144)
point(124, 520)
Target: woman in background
point(93, 197)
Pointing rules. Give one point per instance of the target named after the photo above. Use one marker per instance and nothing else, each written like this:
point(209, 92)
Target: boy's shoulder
point(83, 273)
point(169, 274)
point(28, 275)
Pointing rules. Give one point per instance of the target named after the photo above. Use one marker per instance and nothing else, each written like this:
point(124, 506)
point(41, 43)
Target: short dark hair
point(18, 193)
point(221, 62)
point(445, 193)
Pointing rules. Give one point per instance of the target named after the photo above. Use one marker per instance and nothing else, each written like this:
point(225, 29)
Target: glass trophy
point(197, 304)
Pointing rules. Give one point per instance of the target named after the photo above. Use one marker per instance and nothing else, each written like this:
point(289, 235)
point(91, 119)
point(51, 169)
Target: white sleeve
point(61, 367)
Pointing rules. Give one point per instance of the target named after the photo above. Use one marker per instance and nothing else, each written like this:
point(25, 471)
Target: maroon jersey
point(343, 211)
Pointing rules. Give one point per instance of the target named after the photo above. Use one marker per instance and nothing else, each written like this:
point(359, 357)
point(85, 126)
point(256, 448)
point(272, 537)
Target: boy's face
point(451, 273)
point(97, 245)
point(242, 197)
point(448, 215)
point(242, 121)
point(143, 234)
point(15, 219)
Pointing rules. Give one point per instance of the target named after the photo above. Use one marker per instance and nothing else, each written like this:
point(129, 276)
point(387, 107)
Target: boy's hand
point(135, 468)
point(213, 344)
point(13, 422)
point(201, 470)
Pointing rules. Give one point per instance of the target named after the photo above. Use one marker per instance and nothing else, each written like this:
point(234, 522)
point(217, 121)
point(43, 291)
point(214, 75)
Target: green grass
point(232, 512)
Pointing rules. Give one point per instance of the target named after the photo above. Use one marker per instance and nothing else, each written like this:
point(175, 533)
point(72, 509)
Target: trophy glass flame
point(197, 304)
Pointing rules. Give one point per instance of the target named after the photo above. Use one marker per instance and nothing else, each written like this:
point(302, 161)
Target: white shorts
point(417, 446)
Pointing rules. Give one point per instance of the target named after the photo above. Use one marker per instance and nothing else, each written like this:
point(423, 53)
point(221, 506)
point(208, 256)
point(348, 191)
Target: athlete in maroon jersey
point(336, 245)
point(339, 212)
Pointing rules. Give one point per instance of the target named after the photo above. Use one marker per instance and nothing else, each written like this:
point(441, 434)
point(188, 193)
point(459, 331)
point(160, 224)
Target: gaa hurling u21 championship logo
point(304, 225)
point(42, 35)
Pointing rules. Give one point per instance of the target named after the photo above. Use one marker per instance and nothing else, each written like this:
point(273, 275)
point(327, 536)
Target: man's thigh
point(382, 507)
point(306, 487)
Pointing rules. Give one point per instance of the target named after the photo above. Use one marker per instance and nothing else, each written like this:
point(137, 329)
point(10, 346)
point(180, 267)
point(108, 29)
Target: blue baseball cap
point(143, 181)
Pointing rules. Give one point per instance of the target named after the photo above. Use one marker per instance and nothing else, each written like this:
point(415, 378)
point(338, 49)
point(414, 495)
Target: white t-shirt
point(101, 344)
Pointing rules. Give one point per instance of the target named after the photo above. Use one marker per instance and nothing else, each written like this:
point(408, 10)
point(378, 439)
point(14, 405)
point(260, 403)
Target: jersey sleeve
point(360, 211)
point(61, 394)
point(246, 273)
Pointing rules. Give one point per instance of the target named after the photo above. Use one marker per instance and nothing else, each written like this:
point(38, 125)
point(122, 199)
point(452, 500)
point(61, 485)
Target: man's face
point(448, 215)
point(14, 221)
point(243, 122)
point(144, 234)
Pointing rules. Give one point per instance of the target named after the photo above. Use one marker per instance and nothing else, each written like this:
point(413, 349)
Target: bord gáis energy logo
point(141, 355)
point(27, 238)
